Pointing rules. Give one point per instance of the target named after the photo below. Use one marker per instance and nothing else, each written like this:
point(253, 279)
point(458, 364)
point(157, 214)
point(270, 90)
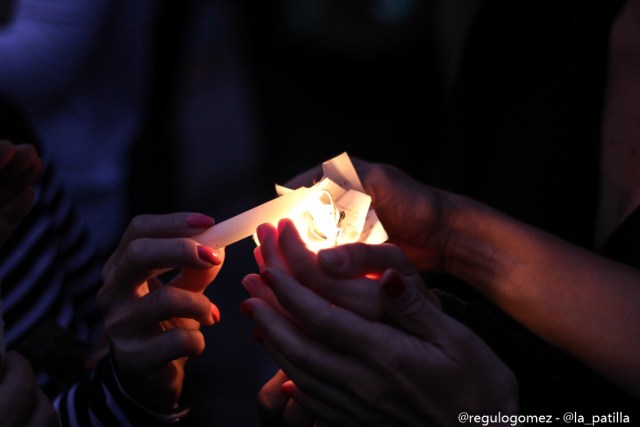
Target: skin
point(568, 296)
point(153, 327)
point(369, 356)
point(22, 402)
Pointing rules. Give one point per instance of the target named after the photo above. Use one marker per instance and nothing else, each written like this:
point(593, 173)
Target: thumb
point(408, 307)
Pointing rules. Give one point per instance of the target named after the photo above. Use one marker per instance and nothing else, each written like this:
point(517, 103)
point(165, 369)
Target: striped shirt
point(50, 274)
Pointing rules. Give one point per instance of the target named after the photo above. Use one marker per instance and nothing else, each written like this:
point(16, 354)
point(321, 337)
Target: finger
point(137, 355)
point(145, 258)
point(18, 390)
point(272, 401)
point(164, 227)
point(257, 255)
point(314, 409)
point(410, 308)
point(197, 280)
point(359, 295)
point(295, 414)
point(330, 398)
point(141, 317)
point(43, 415)
point(359, 259)
point(338, 327)
point(291, 347)
point(269, 252)
point(258, 289)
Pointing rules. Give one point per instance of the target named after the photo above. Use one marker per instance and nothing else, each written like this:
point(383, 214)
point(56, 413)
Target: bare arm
point(577, 300)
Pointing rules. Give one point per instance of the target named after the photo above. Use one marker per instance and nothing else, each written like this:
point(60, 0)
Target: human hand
point(22, 403)
point(417, 217)
point(347, 274)
point(153, 327)
point(20, 167)
point(348, 370)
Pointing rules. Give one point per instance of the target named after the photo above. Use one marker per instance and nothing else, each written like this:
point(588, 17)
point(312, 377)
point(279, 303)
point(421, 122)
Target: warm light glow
point(318, 222)
point(332, 212)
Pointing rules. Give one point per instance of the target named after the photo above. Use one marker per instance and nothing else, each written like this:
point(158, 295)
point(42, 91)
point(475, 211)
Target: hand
point(277, 409)
point(347, 275)
point(417, 218)
point(352, 371)
point(20, 167)
point(22, 403)
point(419, 367)
point(153, 327)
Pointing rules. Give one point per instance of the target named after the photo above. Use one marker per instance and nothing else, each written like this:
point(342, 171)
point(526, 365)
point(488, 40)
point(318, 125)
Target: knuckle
point(139, 222)
point(190, 342)
point(323, 319)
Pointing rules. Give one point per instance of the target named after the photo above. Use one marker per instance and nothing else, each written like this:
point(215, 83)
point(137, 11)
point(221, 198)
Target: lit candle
point(332, 212)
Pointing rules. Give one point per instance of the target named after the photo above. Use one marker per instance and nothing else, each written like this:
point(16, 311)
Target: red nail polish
point(207, 254)
point(247, 309)
point(215, 313)
point(199, 221)
point(288, 388)
point(394, 286)
point(268, 278)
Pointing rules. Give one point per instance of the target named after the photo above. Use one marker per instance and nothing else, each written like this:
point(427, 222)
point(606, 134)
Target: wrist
point(472, 250)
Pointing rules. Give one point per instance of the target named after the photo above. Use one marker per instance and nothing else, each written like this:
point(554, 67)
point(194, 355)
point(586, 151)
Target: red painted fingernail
point(247, 309)
point(268, 278)
point(394, 286)
point(288, 387)
point(200, 221)
point(207, 254)
point(215, 313)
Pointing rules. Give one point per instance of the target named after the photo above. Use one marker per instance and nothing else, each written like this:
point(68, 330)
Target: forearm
point(570, 297)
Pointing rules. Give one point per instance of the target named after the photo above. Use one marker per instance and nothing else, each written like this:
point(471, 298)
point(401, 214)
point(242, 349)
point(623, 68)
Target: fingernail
point(261, 232)
point(207, 254)
point(215, 313)
point(247, 309)
point(336, 257)
point(393, 286)
point(288, 387)
point(252, 285)
point(200, 221)
point(268, 278)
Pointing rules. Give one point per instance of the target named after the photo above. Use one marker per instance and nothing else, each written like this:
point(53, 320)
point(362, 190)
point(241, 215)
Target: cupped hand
point(22, 402)
point(154, 326)
point(346, 275)
point(417, 217)
point(424, 369)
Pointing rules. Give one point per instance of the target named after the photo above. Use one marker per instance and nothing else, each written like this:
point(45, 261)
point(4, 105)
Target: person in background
point(81, 72)
point(22, 402)
point(130, 367)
